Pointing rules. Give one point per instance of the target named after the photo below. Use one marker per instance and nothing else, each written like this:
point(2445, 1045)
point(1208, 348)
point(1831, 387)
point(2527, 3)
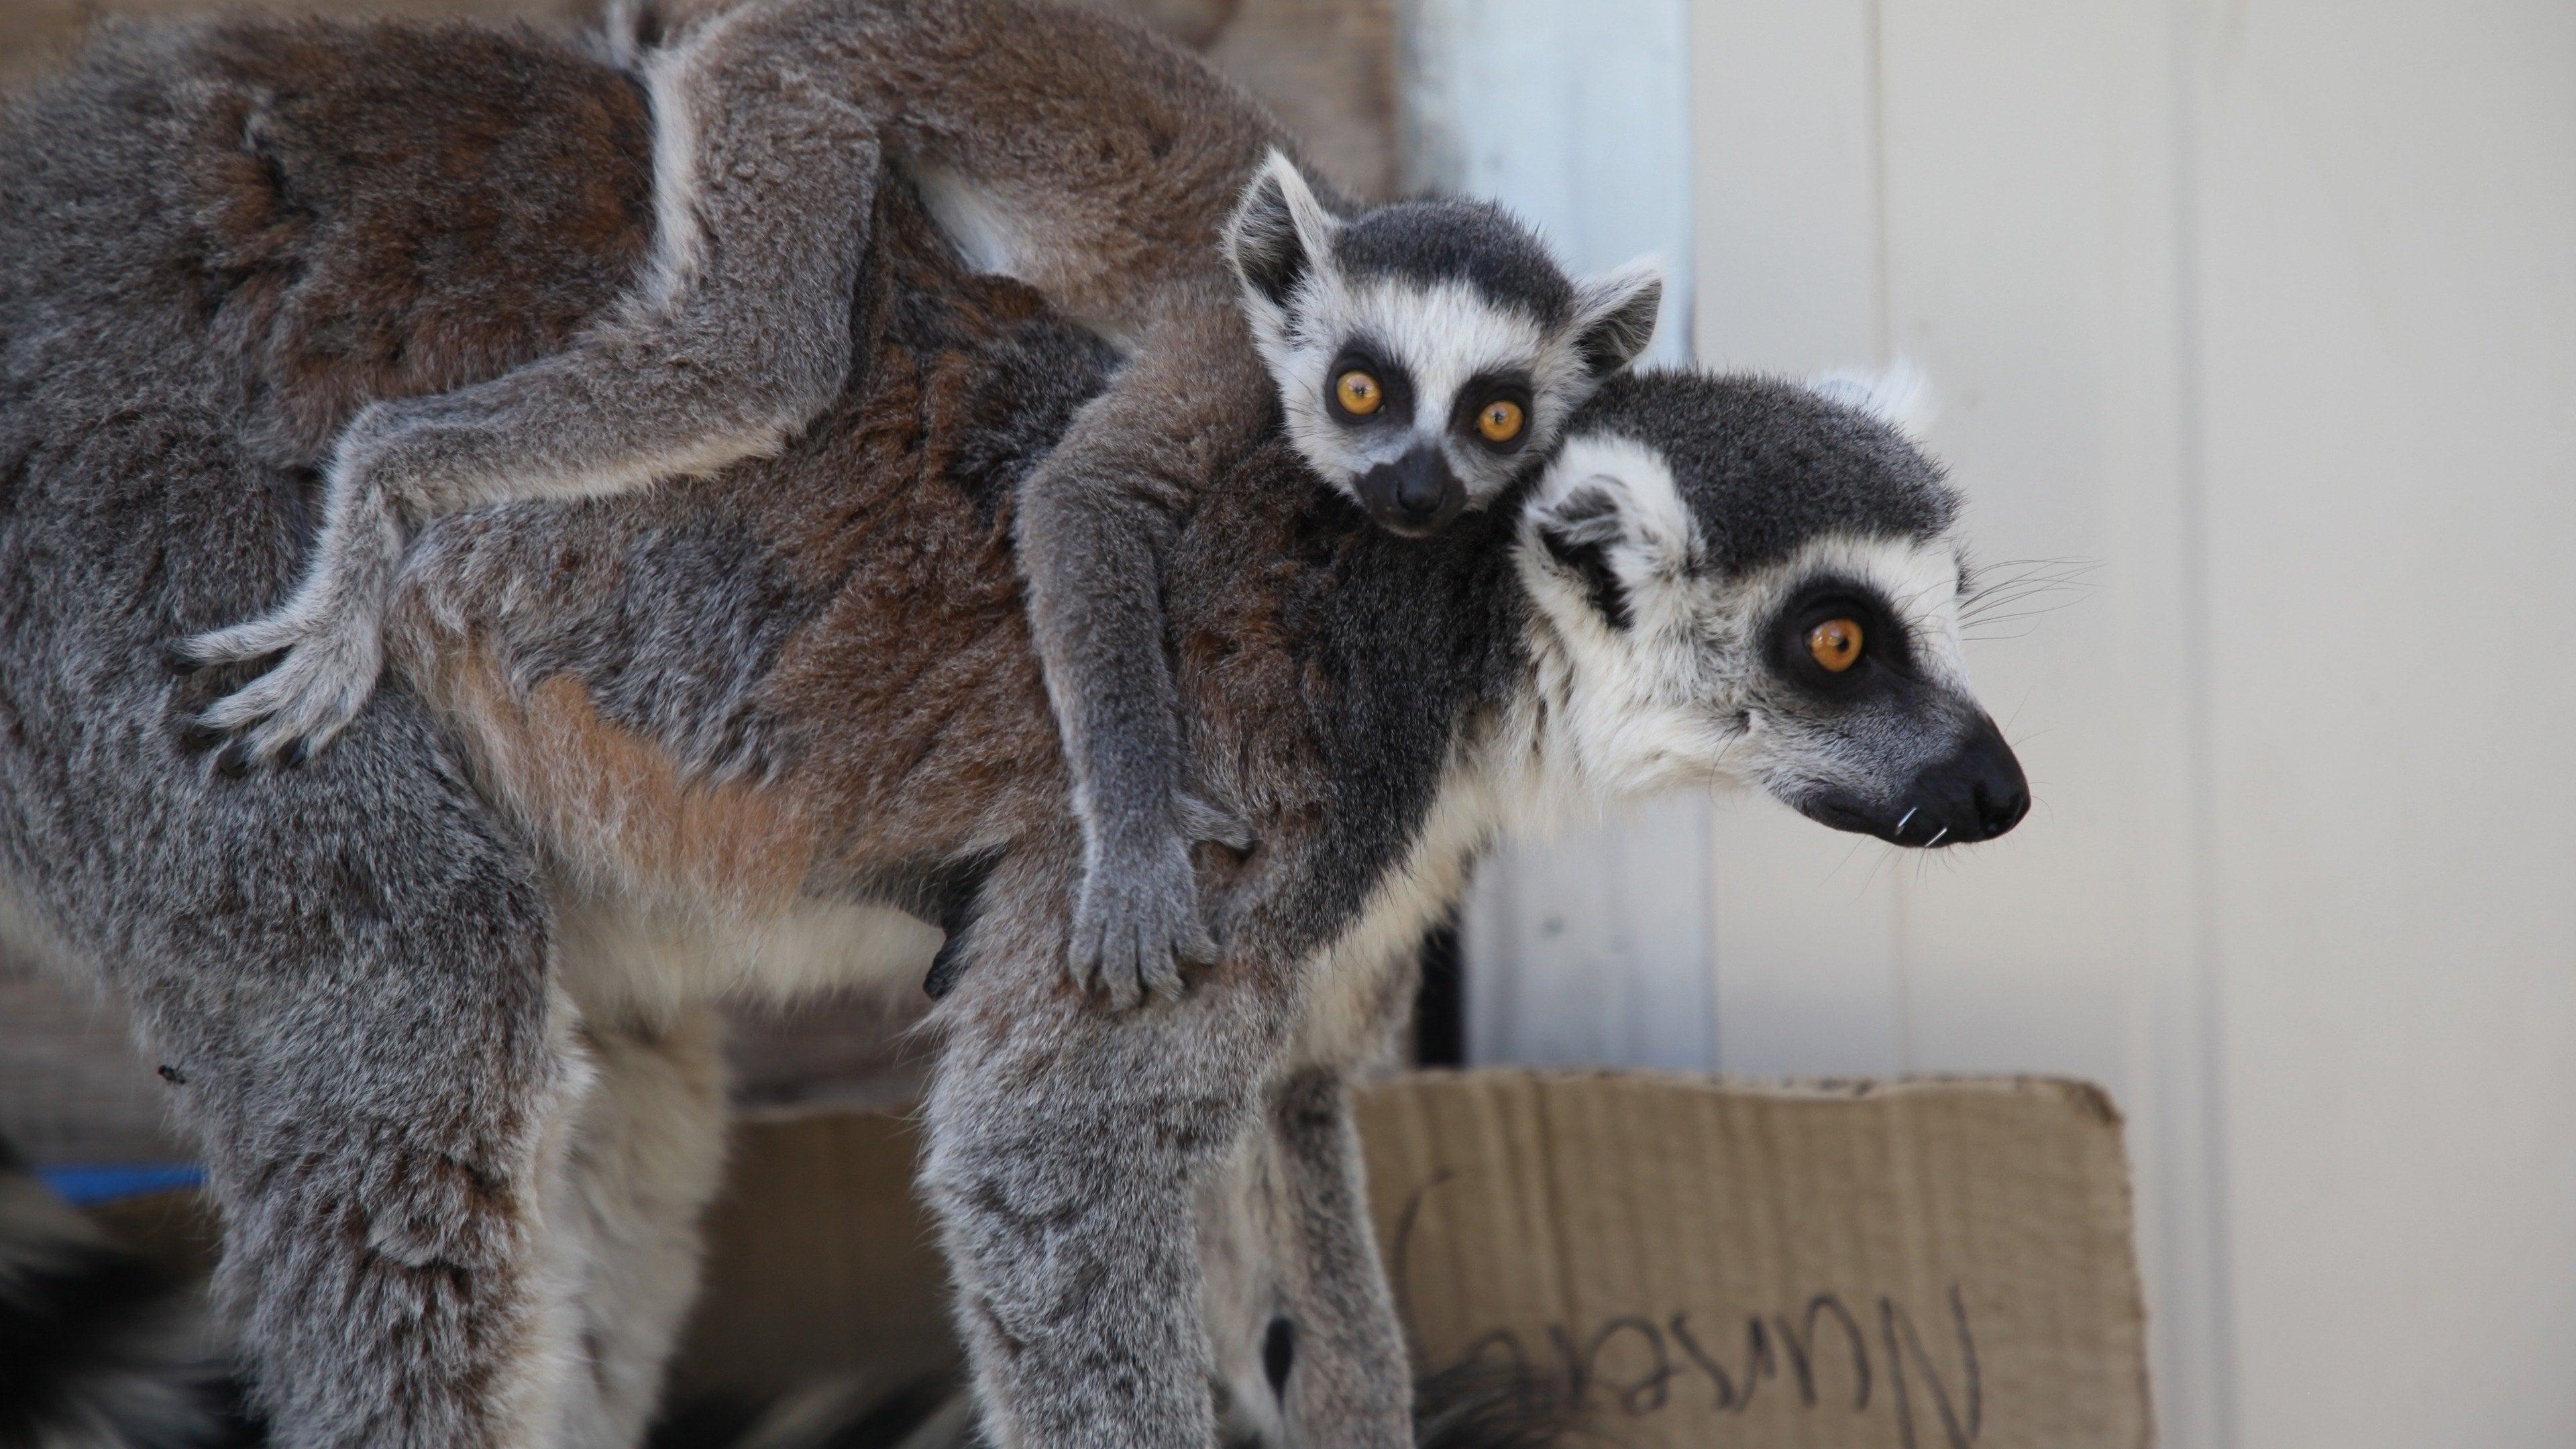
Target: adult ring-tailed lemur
point(438, 1002)
point(1423, 352)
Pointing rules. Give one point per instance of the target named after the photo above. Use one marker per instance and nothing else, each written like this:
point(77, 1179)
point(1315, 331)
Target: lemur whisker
point(2014, 618)
point(1886, 853)
point(1846, 860)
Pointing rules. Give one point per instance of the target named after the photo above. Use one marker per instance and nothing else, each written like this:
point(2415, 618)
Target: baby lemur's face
point(1742, 580)
point(1426, 353)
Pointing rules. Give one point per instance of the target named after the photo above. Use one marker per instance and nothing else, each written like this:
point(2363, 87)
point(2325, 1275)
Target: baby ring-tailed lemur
point(1423, 353)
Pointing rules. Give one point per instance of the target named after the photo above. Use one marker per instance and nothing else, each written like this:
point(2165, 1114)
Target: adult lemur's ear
point(1898, 394)
point(1614, 315)
point(1578, 527)
point(1279, 231)
point(1612, 524)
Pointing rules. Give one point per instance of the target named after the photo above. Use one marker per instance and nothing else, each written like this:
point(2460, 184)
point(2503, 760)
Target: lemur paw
point(1138, 924)
point(327, 668)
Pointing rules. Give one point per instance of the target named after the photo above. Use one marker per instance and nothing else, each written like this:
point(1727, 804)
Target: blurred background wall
point(2255, 324)
point(2262, 313)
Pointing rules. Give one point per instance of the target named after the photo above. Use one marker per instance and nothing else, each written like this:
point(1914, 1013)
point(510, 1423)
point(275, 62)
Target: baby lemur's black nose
point(1416, 494)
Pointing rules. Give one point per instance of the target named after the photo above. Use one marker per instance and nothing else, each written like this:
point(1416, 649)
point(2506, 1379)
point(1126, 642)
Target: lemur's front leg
point(1094, 520)
point(1068, 1148)
point(737, 336)
point(1301, 1313)
point(1331, 1350)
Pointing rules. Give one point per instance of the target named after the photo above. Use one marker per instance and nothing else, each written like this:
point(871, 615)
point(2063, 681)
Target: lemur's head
point(1745, 580)
point(1426, 352)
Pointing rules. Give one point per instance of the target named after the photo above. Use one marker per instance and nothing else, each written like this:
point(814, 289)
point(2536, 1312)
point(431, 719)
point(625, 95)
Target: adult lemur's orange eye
point(1835, 643)
point(1501, 420)
point(1358, 392)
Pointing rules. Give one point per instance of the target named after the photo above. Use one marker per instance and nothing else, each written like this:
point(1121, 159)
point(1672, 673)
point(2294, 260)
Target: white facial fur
point(1684, 693)
point(1440, 336)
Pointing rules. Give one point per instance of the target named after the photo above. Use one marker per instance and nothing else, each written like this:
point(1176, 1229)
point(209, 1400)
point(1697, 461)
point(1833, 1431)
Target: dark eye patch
point(1392, 380)
point(1482, 391)
point(1886, 653)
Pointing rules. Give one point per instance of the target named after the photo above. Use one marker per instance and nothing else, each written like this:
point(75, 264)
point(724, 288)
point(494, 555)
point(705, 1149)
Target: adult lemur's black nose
point(1977, 792)
point(1416, 494)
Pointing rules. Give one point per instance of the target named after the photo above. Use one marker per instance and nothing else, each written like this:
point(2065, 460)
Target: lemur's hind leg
point(1299, 1307)
point(1067, 1149)
point(387, 1250)
point(344, 973)
point(737, 335)
point(647, 1154)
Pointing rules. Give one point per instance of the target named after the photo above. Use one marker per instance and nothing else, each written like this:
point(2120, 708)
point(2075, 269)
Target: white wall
point(2268, 310)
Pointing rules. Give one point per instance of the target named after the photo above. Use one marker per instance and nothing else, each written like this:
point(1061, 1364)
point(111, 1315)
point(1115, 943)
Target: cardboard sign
point(1932, 1264)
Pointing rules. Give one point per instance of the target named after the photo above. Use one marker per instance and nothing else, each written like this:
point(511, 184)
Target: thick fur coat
point(438, 999)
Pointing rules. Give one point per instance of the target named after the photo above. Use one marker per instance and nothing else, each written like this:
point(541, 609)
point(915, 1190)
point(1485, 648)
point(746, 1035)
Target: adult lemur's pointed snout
point(1978, 792)
point(1975, 792)
point(1416, 494)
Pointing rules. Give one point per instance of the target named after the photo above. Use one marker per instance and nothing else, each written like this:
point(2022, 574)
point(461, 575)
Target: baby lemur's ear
point(1614, 315)
point(1279, 231)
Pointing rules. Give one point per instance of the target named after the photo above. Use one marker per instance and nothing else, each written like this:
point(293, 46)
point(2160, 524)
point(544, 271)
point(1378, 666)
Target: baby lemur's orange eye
point(1358, 392)
point(1835, 643)
point(1501, 420)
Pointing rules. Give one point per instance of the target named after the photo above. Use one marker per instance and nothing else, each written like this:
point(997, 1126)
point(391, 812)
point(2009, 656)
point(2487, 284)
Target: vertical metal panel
point(2384, 235)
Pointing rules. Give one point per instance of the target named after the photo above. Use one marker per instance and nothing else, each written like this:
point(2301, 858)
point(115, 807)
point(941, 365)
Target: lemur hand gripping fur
point(1096, 164)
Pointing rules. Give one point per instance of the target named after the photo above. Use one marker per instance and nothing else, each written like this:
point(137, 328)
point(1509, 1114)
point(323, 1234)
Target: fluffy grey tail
point(1470, 1407)
point(99, 1348)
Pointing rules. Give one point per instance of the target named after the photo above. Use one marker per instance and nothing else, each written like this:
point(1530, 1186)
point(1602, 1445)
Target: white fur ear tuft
point(1898, 394)
point(1614, 315)
point(1279, 233)
point(1585, 513)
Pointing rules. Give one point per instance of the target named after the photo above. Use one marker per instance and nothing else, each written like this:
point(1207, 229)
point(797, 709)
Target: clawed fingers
point(1134, 931)
point(296, 708)
point(240, 644)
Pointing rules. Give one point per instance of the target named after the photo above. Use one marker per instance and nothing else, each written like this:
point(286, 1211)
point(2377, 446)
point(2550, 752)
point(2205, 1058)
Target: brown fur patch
point(396, 209)
point(616, 807)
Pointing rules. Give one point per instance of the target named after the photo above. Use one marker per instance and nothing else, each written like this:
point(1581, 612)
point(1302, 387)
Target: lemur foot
point(1138, 924)
point(326, 669)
